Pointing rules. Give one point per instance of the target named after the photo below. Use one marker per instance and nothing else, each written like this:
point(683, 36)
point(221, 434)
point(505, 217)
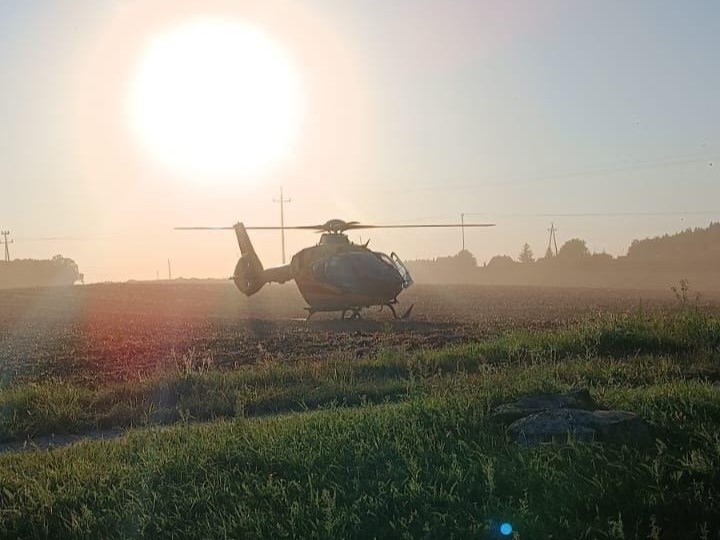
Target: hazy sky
point(412, 111)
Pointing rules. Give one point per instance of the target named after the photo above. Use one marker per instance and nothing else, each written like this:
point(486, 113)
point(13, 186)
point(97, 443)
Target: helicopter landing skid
point(395, 315)
point(354, 314)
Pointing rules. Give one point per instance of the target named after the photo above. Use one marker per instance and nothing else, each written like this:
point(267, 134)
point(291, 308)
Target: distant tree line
point(35, 273)
point(689, 247)
point(654, 262)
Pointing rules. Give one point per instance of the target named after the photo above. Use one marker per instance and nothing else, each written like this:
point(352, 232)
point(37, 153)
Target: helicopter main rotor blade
point(298, 227)
point(295, 227)
point(339, 226)
point(203, 228)
point(420, 226)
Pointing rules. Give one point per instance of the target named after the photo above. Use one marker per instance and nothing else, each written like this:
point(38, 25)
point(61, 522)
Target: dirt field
point(99, 333)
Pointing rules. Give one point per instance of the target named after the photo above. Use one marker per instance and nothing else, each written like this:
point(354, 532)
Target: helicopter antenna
point(282, 202)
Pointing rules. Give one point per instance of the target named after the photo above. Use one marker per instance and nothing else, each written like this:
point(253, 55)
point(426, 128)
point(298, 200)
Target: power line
point(56, 238)
point(282, 202)
point(600, 214)
point(593, 171)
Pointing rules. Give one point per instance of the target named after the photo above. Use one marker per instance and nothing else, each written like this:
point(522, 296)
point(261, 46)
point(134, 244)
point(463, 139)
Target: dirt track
point(123, 331)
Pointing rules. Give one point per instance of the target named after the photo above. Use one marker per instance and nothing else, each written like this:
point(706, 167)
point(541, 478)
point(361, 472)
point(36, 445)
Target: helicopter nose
point(393, 284)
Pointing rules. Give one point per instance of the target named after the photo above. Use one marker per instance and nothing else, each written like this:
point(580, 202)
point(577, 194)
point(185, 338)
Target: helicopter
point(335, 275)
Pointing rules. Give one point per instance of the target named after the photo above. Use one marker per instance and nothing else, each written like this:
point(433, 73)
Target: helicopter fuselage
point(338, 275)
point(334, 275)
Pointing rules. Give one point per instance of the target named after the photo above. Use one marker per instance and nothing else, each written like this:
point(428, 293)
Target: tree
point(574, 249)
point(526, 255)
point(67, 268)
point(549, 253)
point(501, 262)
point(465, 259)
point(602, 257)
point(39, 273)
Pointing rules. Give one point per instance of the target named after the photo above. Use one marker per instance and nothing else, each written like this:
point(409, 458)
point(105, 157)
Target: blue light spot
point(506, 529)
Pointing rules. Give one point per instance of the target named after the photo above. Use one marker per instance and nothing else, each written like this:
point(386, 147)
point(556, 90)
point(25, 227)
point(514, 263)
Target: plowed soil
point(108, 332)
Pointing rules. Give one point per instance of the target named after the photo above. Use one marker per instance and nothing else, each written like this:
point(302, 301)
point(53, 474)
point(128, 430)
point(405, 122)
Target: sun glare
point(215, 99)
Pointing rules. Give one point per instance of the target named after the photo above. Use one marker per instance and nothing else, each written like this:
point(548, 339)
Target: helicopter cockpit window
point(319, 270)
point(387, 260)
point(340, 272)
point(354, 271)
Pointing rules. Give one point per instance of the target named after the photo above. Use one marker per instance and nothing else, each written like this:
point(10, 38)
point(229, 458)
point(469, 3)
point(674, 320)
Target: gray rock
point(556, 424)
point(535, 403)
point(551, 425)
point(539, 418)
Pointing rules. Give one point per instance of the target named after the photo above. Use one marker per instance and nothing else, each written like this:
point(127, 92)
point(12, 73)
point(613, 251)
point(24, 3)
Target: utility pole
point(282, 202)
point(7, 243)
point(169, 271)
point(552, 241)
point(462, 227)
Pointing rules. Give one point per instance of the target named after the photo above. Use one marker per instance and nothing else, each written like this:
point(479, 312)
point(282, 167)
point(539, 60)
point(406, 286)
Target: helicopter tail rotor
point(248, 275)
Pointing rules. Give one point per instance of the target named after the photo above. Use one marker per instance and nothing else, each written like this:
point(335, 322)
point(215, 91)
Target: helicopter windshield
point(402, 269)
point(353, 272)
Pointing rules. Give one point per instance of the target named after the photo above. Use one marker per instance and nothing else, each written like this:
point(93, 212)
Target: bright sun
point(215, 98)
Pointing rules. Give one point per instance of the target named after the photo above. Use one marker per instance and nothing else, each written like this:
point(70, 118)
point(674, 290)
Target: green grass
point(435, 467)
point(404, 447)
point(191, 393)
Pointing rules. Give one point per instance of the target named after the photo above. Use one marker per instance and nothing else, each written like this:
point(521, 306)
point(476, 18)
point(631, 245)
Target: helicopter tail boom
point(249, 275)
point(279, 274)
